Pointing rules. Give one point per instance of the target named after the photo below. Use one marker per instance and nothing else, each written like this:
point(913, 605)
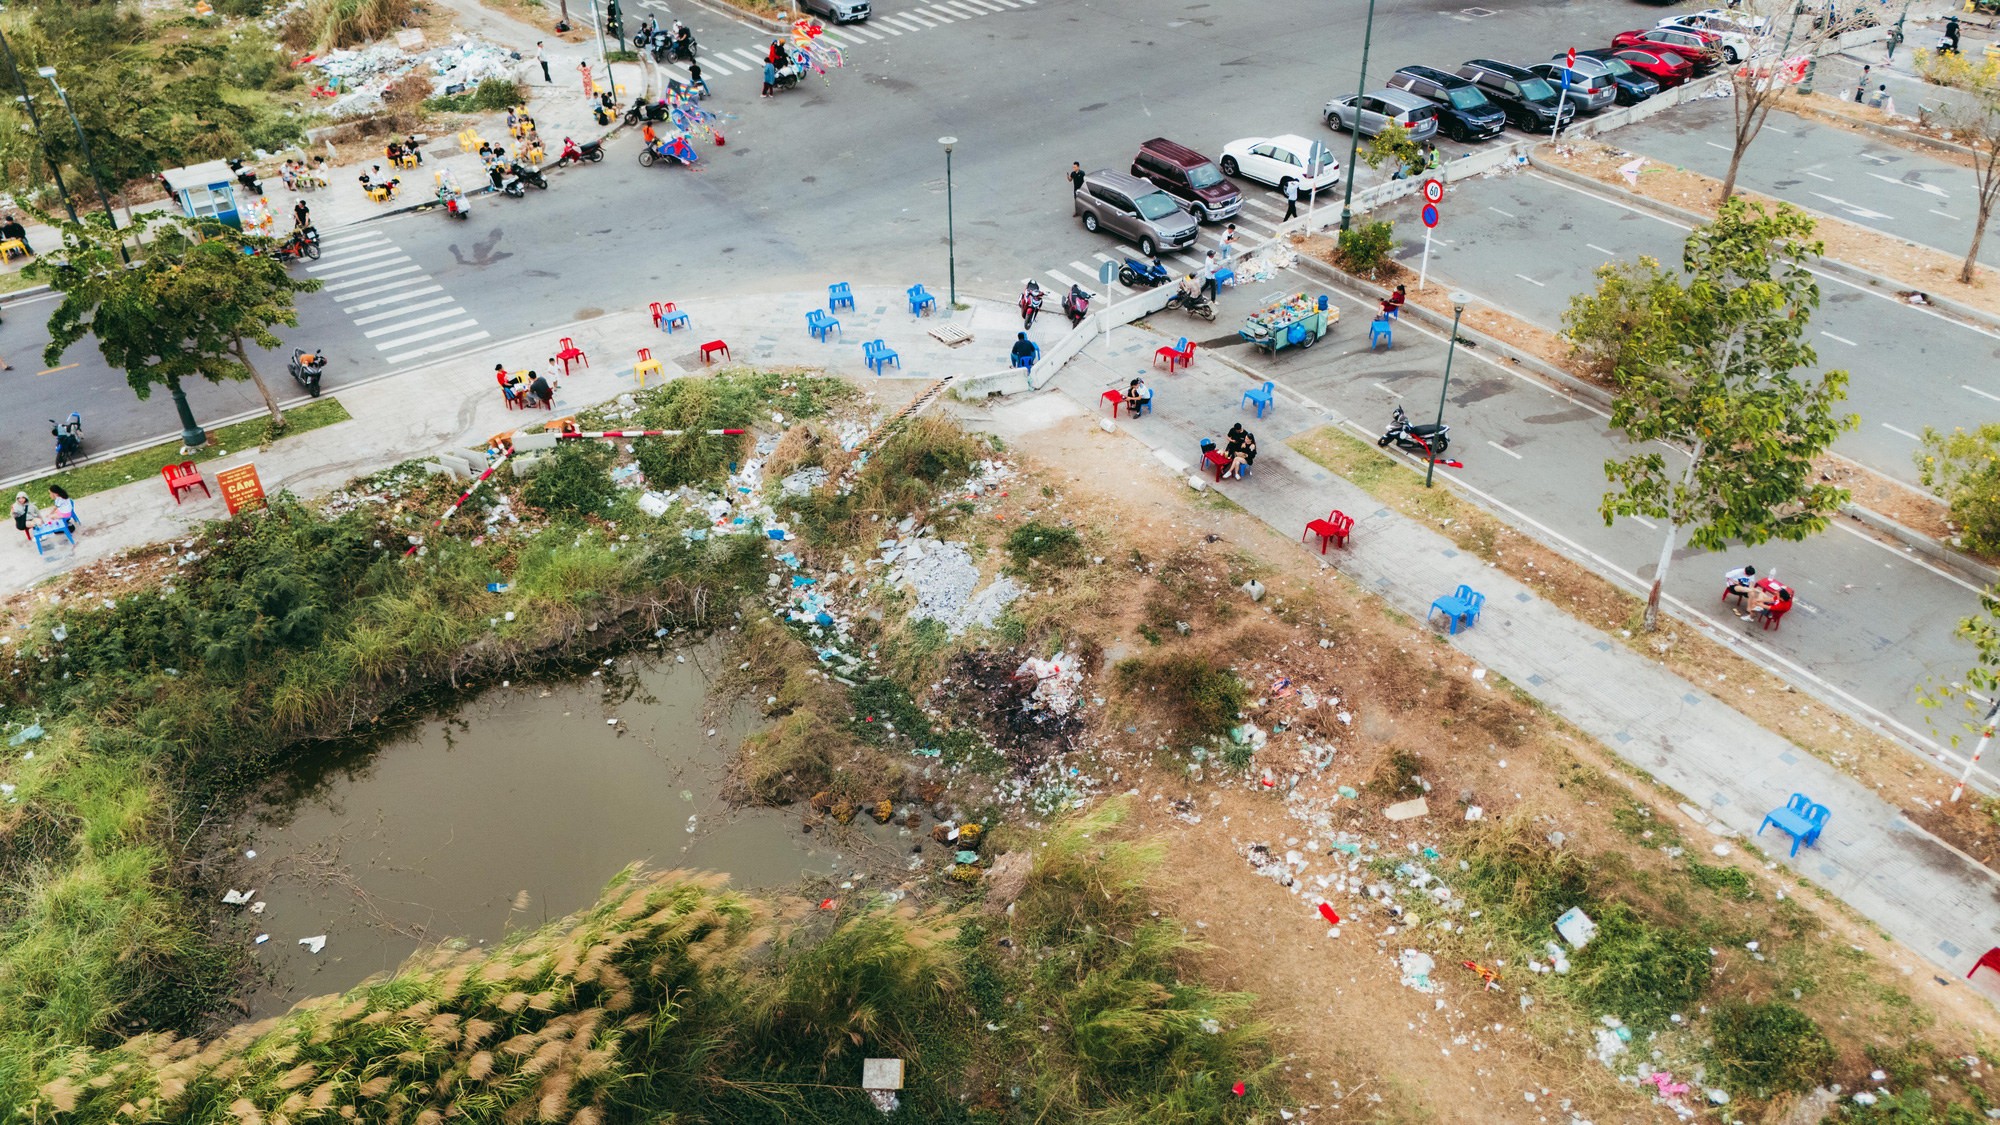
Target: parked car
point(1734, 39)
point(1748, 24)
point(1133, 208)
point(1189, 177)
point(1633, 87)
point(1377, 110)
point(1530, 102)
point(839, 11)
point(1464, 113)
point(1591, 92)
point(1276, 160)
point(1700, 48)
point(1661, 65)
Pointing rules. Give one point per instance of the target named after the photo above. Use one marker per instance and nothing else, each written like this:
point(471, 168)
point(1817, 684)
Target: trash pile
point(1056, 681)
point(360, 77)
point(945, 578)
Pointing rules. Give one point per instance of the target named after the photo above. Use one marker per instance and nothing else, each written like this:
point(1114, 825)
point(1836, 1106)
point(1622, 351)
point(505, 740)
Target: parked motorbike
point(455, 205)
point(531, 176)
point(69, 439)
point(1136, 273)
point(304, 243)
point(574, 153)
point(673, 147)
point(1076, 304)
point(1031, 305)
point(1426, 441)
point(1198, 305)
point(641, 109)
point(306, 368)
point(504, 182)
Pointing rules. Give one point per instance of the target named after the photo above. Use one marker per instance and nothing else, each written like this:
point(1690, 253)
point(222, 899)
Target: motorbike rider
point(1191, 287)
point(683, 41)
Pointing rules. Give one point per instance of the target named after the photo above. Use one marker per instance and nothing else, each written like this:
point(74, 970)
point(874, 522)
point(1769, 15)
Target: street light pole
point(950, 226)
point(1458, 301)
point(35, 120)
point(1354, 146)
point(89, 161)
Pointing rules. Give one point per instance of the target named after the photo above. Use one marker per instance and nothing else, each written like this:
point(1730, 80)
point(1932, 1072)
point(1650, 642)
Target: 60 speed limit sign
point(1433, 191)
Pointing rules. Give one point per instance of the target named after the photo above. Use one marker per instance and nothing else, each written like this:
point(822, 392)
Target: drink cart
point(1289, 318)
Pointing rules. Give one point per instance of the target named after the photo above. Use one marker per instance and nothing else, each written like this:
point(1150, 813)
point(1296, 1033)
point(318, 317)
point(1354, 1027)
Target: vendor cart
point(1289, 318)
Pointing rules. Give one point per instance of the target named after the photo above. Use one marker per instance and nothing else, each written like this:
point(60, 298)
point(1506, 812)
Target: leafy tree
point(1964, 469)
point(1711, 373)
point(1392, 146)
point(203, 294)
point(1600, 327)
point(1978, 690)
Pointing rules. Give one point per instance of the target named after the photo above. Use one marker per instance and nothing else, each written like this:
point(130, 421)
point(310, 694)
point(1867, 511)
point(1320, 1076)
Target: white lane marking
point(1644, 522)
point(1918, 184)
point(365, 269)
point(1842, 339)
point(418, 280)
point(909, 18)
point(341, 245)
point(945, 14)
point(373, 277)
point(754, 60)
point(890, 28)
point(439, 331)
point(1009, 3)
point(1261, 205)
point(1530, 280)
point(864, 31)
point(1506, 450)
point(1060, 276)
point(1398, 394)
point(406, 310)
point(392, 298)
point(1980, 393)
point(956, 8)
point(339, 238)
point(1712, 144)
point(1935, 211)
point(443, 347)
point(1497, 210)
point(1871, 156)
point(1905, 433)
point(432, 318)
point(991, 7)
point(1600, 249)
point(1817, 176)
point(1852, 208)
point(346, 259)
point(715, 66)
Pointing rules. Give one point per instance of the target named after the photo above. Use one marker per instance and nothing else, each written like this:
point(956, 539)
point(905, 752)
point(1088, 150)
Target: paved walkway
point(454, 403)
point(1901, 878)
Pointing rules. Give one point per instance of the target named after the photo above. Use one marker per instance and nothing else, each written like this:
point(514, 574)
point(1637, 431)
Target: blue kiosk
point(206, 191)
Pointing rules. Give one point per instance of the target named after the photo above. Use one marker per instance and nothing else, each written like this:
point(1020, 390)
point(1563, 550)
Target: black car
point(1633, 87)
point(1464, 113)
point(1530, 102)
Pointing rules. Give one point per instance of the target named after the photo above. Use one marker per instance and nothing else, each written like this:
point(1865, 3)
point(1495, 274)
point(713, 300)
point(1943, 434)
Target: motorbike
point(787, 77)
point(528, 175)
point(455, 205)
point(69, 439)
point(1031, 304)
point(574, 153)
point(304, 243)
point(673, 147)
point(1136, 273)
point(641, 109)
point(1426, 441)
point(682, 47)
point(306, 368)
point(1198, 305)
point(502, 182)
point(1076, 304)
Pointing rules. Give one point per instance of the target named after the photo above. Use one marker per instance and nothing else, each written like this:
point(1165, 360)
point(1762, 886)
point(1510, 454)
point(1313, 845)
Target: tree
point(1392, 146)
point(1711, 374)
point(1781, 39)
point(192, 307)
point(1964, 470)
point(1979, 691)
point(1978, 128)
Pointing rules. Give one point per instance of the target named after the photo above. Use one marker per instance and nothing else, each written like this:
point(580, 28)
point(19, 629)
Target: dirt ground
point(1365, 1047)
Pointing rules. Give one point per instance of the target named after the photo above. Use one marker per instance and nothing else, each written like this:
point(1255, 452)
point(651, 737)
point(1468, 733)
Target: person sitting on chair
point(1392, 305)
point(1024, 350)
point(540, 391)
point(1740, 582)
point(1769, 600)
point(64, 508)
point(1137, 394)
point(1241, 451)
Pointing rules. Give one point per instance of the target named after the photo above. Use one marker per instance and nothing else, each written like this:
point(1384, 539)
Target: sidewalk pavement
point(1926, 894)
point(455, 403)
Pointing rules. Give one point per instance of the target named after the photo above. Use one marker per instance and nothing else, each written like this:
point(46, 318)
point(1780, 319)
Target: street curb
point(1915, 540)
point(1831, 265)
point(721, 9)
point(1889, 131)
point(23, 294)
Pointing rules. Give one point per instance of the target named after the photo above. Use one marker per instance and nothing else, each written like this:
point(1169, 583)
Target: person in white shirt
point(1741, 581)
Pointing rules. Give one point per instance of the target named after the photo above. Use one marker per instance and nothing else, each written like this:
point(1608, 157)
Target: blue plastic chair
point(1803, 818)
point(1023, 361)
point(838, 294)
point(1145, 405)
point(879, 355)
point(1262, 398)
point(820, 324)
point(1378, 332)
point(1462, 606)
point(920, 301)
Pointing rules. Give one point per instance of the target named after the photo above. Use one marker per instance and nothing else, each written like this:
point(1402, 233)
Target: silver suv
point(1131, 207)
point(1379, 109)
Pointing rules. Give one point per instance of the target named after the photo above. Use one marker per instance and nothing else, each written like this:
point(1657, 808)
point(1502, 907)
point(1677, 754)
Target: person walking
point(542, 56)
point(301, 215)
point(1075, 176)
point(1895, 41)
point(770, 77)
point(1210, 287)
point(1861, 87)
point(1291, 200)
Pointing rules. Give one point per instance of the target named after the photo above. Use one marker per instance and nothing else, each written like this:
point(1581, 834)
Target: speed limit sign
point(1433, 191)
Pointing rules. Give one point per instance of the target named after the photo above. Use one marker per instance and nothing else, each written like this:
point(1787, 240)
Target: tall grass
point(324, 24)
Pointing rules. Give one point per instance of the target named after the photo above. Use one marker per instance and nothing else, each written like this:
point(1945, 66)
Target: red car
point(1662, 66)
point(1701, 48)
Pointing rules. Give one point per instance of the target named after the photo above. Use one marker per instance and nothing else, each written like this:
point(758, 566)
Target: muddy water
point(514, 811)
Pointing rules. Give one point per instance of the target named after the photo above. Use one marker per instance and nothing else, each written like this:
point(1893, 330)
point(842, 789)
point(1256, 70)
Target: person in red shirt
point(1392, 305)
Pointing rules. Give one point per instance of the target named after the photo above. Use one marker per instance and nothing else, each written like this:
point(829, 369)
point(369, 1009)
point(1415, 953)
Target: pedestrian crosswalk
point(1258, 220)
point(879, 27)
point(398, 306)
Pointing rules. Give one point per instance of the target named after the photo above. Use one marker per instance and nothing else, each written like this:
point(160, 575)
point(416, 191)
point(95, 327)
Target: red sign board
point(1433, 191)
point(1430, 214)
point(240, 488)
point(1572, 58)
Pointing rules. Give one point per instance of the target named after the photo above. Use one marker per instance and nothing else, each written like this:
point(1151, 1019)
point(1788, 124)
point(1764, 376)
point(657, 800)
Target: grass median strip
point(258, 432)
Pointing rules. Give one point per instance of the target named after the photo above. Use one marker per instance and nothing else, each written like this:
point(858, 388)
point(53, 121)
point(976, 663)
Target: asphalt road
point(1840, 172)
point(843, 179)
point(1527, 242)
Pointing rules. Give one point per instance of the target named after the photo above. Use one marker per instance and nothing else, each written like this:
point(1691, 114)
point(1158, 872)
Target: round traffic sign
point(1433, 191)
point(1430, 214)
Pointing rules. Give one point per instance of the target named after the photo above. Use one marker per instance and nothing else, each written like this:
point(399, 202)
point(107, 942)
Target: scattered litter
point(1720, 849)
point(236, 898)
point(1576, 927)
point(313, 944)
point(1406, 810)
point(262, 938)
point(1475, 813)
point(26, 734)
point(1417, 966)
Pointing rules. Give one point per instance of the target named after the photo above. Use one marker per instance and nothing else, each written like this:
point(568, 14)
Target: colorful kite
point(808, 49)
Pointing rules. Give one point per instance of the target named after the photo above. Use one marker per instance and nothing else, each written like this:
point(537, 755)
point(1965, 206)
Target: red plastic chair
point(1115, 398)
point(1336, 528)
point(1181, 355)
point(711, 348)
point(571, 353)
point(659, 312)
point(513, 399)
point(1776, 613)
point(184, 477)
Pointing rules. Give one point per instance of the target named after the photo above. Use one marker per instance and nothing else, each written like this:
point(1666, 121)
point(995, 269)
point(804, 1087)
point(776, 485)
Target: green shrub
point(1729, 880)
point(1391, 146)
point(693, 405)
point(1203, 697)
point(1601, 325)
point(1046, 544)
point(1964, 470)
point(492, 96)
point(575, 476)
point(1637, 970)
point(1771, 1048)
point(1362, 249)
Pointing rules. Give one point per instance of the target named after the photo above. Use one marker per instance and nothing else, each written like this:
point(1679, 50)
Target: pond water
point(513, 812)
